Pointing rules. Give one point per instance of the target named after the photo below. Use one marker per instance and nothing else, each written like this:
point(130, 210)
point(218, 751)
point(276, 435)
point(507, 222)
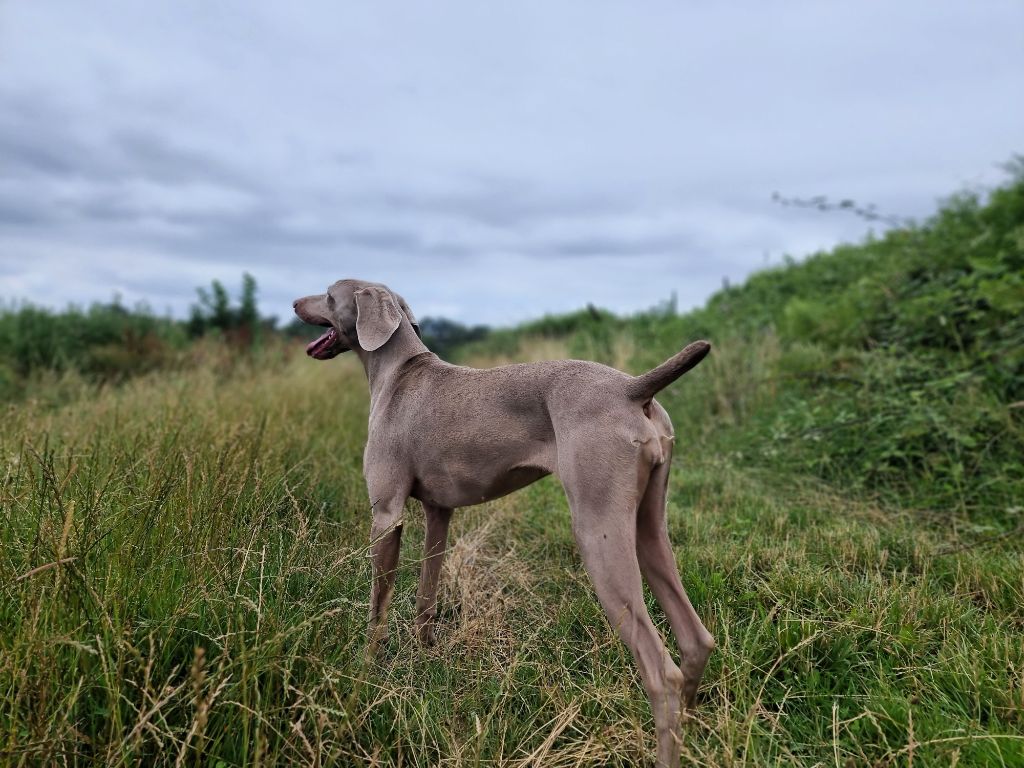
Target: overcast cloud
point(490, 162)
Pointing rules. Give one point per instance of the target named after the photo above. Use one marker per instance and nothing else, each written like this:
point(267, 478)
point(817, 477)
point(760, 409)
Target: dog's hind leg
point(434, 544)
point(658, 564)
point(604, 523)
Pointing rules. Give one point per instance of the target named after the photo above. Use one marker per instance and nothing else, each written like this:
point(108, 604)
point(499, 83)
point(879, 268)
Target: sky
point(490, 162)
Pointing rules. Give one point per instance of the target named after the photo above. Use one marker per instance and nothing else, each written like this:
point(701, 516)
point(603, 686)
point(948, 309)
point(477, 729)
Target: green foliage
point(109, 343)
point(893, 368)
point(105, 341)
point(920, 339)
point(240, 326)
point(590, 331)
point(183, 569)
point(443, 336)
point(184, 577)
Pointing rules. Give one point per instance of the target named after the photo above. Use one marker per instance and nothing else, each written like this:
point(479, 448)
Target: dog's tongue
point(322, 344)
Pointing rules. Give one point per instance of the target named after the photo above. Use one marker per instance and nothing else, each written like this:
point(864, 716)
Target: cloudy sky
point(489, 161)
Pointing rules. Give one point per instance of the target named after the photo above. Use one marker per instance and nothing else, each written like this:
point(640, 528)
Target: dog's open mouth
point(325, 347)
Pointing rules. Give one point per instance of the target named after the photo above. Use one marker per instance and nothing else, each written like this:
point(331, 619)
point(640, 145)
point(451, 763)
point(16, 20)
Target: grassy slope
point(211, 594)
point(893, 368)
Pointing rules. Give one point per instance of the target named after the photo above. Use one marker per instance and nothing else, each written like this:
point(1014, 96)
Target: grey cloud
point(18, 211)
point(385, 240)
point(615, 246)
point(603, 155)
point(503, 203)
point(153, 156)
point(34, 138)
point(27, 155)
point(39, 141)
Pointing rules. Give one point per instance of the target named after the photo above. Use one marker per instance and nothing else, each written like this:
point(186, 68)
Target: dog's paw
point(376, 640)
point(425, 635)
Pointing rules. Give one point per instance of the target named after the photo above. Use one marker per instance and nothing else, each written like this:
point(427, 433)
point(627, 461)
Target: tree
point(214, 312)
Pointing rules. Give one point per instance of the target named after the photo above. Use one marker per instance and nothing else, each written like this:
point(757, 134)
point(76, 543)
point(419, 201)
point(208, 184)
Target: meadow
point(184, 573)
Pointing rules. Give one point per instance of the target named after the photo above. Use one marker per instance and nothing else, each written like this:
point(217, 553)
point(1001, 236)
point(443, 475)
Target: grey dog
point(453, 436)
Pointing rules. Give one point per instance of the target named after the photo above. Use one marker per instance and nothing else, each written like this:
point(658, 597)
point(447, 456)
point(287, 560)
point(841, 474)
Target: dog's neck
point(382, 364)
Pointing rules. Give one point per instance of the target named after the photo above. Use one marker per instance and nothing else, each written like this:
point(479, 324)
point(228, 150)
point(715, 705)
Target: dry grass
point(183, 580)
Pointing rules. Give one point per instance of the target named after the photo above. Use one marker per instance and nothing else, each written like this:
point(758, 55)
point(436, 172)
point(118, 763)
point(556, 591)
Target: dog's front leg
point(385, 538)
point(435, 542)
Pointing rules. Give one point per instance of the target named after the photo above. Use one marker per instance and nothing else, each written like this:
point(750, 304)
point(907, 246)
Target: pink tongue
point(326, 340)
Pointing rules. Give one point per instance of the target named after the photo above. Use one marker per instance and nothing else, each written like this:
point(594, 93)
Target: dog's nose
point(295, 304)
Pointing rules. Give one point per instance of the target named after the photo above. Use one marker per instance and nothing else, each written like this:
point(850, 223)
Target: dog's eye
point(330, 300)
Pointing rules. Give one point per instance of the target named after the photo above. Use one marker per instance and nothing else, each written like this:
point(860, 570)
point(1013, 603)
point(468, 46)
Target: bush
point(108, 343)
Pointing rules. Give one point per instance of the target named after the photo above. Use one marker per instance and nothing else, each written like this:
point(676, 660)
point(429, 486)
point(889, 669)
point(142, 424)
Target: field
point(185, 581)
point(184, 573)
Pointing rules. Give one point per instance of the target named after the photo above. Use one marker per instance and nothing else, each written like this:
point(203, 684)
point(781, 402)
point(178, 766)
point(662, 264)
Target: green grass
point(892, 369)
point(210, 599)
point(183, 558)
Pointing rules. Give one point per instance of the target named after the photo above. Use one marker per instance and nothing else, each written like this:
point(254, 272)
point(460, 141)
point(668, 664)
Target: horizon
point(233, 288)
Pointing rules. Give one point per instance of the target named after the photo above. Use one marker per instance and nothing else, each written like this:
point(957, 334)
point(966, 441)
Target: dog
point(453, 436)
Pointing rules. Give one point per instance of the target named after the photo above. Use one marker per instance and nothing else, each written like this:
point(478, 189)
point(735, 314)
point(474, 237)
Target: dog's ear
point(377, 317)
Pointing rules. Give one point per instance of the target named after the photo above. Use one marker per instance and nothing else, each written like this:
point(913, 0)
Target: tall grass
point(108, 343)
point(893, 368)
point(185, 581)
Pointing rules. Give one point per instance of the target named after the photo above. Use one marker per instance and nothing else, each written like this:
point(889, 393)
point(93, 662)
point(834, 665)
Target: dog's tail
point(643, 388)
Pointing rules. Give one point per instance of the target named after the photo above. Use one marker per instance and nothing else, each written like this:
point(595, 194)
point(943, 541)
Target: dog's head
point(356, 314)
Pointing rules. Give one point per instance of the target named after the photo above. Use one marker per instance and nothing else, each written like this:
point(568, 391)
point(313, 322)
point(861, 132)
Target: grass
point(893, 368)
point(185, 580)
point(184, 574)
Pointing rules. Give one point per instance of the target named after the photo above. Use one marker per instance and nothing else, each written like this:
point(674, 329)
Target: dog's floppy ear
point(377, 317)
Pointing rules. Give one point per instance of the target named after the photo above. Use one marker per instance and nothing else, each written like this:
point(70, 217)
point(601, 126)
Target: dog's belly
point(463, 486)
